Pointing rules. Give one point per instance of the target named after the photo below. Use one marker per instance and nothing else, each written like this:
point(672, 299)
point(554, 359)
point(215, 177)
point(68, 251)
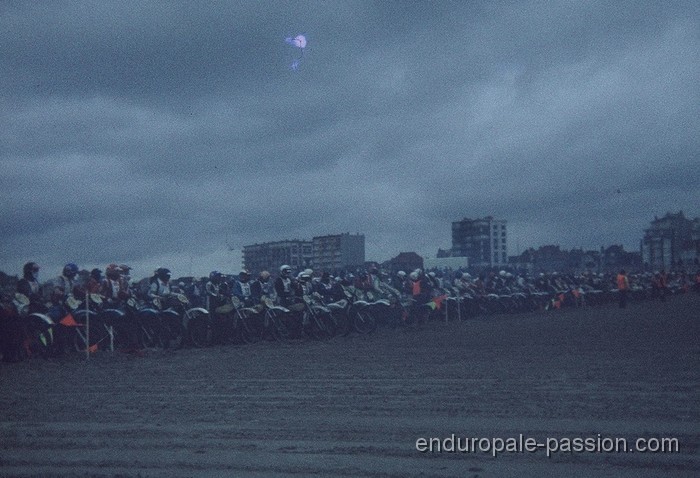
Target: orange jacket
point(622, 282)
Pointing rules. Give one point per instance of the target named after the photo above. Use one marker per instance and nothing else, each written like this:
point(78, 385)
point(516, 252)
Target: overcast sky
point(165, 133)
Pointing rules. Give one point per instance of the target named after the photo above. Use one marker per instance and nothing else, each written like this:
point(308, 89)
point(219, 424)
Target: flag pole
point(87, 324)
point(459, 306)
point(447, 311)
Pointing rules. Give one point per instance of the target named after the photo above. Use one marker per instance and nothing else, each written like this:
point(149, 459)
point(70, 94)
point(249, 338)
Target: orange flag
point(69, 321)
point(93, 348)
point(438, 301)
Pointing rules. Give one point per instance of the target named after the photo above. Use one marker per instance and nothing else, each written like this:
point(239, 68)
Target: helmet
point(304, 276)
point(70, 270)
point(163, 273)
point(112, 271)
point(264, 275)
point(413, 275)
point(401, 274)
point(285, 270)
point(29, 268)
point(96, 274)
point(244, 275)
point(458, 275)
point(431, 274)
point(214, 276)
point(502, 273)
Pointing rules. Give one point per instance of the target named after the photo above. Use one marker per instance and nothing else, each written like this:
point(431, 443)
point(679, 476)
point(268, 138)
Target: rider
point(94, 283)
point(399, 281)
point(65, 284)
point(374, 281)
point(242, 289)
point(326, 288)
point(115, 288)
point(421, 287)
point(213, 290)
point(160, 283)
point(284, 286)
point(125, 273)
point(262, 287)
point(623, 286)
point(304, 283)
point(63, 288)
point(12, 333)
point(288, 292)
point(29, 286)
point(434, 280)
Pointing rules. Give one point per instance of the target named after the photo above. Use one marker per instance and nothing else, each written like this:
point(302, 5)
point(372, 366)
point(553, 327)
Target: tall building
point(271, 255)
point(670, 241)
point(483, 241)
point(337, 252)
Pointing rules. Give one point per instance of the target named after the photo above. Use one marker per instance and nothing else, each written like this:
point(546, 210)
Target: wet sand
point(355, 406)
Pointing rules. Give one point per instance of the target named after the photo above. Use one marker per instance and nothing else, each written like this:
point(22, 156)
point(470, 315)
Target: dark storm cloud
point(157, 131)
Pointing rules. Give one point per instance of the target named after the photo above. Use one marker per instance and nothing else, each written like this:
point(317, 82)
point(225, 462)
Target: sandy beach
point(356, 406)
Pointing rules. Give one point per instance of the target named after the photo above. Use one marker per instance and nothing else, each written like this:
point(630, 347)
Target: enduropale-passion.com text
point(523, 444)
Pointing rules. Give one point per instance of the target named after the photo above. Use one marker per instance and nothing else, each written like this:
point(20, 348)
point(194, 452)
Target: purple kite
point(298, 41)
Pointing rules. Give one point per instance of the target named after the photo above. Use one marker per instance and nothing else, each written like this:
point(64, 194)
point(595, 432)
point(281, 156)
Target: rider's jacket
point(115, 290)
point(243, 291)
point(63, 286)
point(215, 295)
point(32, 289)
point(326, 290)
point(259, 288)
point(284, 288)
point(158, 288)
point(304, 288)
point(29, 287)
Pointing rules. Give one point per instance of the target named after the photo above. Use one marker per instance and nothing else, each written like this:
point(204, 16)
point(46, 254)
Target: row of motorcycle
point(165, 322)
point(91, 323)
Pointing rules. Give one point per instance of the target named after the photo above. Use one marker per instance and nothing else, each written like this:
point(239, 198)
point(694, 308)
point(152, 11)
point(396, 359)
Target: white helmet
point(401, 274)
point(285, 270)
